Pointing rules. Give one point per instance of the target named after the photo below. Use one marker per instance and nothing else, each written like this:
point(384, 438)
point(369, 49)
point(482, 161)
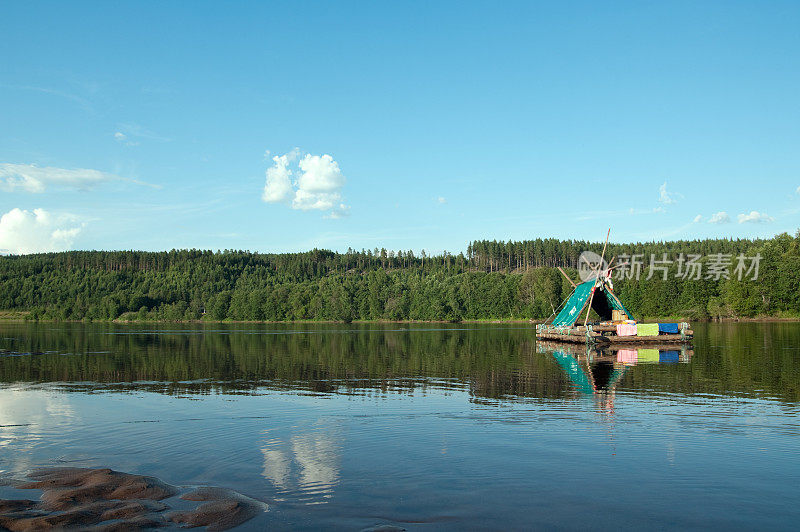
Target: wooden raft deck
point(606, 334)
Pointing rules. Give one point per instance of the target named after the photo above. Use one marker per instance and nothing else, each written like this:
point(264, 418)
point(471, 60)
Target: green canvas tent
point(603, 303)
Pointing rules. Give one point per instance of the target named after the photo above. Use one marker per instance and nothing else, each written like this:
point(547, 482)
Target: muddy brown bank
point(107, 500)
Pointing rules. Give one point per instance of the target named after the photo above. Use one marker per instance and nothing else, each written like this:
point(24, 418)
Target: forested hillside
point(493, 280)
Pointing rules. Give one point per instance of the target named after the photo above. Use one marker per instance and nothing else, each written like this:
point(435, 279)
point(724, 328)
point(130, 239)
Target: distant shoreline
point(22, 317)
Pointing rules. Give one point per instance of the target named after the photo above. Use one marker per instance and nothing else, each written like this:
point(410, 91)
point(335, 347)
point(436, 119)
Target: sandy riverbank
point(107, 500)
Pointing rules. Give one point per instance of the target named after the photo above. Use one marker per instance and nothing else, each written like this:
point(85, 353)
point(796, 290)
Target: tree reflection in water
point(493, 362)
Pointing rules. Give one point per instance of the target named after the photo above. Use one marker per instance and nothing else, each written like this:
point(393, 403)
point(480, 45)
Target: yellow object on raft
point(647, 329)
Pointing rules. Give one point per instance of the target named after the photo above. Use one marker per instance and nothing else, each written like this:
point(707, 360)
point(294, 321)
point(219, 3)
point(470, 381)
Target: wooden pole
point(604, 245)
point(596, 277)
point(567, 277)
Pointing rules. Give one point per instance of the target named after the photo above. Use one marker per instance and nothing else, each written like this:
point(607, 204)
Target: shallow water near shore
point(473, 426)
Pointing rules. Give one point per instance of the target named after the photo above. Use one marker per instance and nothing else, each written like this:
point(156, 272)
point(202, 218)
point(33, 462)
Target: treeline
point(493, 255)
point(493, 280)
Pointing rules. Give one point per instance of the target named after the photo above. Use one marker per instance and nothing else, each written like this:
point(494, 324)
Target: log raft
point(597, 294)
point(606, 334)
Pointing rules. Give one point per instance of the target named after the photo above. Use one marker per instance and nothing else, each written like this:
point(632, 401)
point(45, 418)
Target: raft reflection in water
point(595, 371)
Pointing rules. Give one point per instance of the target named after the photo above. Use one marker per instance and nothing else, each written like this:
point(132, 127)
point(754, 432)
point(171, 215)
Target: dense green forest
point(492, 280)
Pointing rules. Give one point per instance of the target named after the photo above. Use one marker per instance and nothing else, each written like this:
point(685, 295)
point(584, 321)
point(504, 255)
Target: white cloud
point(318, 185)
point(667, 198)
point(755, 217)
point(39, 231)
point(339, 212)
point(720, 218)
point(278, 186)
point(82, 102)
point(321, 174)
point(314, 201)
point(798, 190)
point(697, 219)
point(121, 137)
point(136, 130)
point(32, 178)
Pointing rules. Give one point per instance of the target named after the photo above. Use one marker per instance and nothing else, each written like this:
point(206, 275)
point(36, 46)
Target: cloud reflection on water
point(305, 464)
point(27, 417)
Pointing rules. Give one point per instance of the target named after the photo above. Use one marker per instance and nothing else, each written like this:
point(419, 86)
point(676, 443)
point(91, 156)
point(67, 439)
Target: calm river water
point(432, 427)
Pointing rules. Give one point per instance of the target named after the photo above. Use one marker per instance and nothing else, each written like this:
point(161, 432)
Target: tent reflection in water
point(602, 375)
point(616, 325)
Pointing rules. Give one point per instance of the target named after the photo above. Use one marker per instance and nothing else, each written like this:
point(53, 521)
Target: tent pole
point(589, 308)
point(567, 277)
point(596, 277)
point(604, 246)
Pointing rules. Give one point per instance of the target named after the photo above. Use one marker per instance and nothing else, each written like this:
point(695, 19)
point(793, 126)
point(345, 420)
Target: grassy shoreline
point(22, 316)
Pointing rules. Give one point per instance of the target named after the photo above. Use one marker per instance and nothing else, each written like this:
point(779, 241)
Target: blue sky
point(153, 125)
